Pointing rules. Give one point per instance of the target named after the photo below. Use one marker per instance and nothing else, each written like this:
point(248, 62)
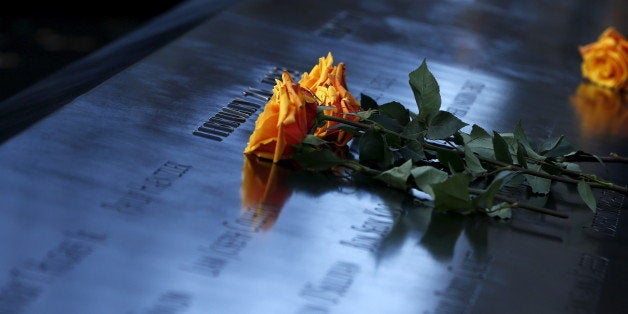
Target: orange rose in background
point(327, 82)
point(263, 191)
point(605, 62)
point(602, 112)
point(286, 120)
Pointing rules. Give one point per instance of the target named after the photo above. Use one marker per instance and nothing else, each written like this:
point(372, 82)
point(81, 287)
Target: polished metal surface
point(131, 199)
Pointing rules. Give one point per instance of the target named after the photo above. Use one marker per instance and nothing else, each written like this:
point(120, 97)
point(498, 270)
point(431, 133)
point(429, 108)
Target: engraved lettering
point(465, 98)
point(28, 280)
point(330, 289)
point(463, 290)
point(138, 196)
point(606, 220)
point(590, 273)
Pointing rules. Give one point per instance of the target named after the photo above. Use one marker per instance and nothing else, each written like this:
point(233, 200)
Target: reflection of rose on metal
point(602, 112)
point(263, 191)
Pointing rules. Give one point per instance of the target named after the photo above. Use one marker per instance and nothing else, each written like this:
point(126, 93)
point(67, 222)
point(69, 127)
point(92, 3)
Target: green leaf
point(415, 129)
point(396, 111)
point(501, 210)
point(509, 178)
point(347, 128)
point(425, 176)
point(562, 148)
point(443, 125)
point(450, 159)
point(539, 185)
point(515, 180)
point(412, 151)
point(587, 195)
point(473, 163)
point(479, 141)
point(502, 153)
point(313, 140)
point(317, 160)
point(396, 177)
point(372, 147)
point(549, 144)
point(426, 91)
point(387, 122)
point(453, 194)
point(367, 102)
point(522, 155)
point(571, 166)
point(485, 200)
point(363, 115)
point(523, 140)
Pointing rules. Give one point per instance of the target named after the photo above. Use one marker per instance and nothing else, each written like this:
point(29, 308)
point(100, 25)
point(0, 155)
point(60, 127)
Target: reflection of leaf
point(442, 234)
point(414, 219)
point(476, 231)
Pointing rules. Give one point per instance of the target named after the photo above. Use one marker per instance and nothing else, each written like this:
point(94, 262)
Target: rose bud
point(327, 82)
point(605, 62)
point(286, 120)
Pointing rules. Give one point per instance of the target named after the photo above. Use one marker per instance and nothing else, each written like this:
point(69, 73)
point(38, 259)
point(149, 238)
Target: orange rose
point(605, 62)
point(263, 191)
point(286, 120)
point(601, 111)
point(327, 82)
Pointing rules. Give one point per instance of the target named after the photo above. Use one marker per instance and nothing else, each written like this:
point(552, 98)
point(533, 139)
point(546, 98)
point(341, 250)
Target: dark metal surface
point(112, 205)
point(23, 109)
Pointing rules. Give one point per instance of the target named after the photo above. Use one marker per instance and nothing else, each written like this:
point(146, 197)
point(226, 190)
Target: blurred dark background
point(37, 38)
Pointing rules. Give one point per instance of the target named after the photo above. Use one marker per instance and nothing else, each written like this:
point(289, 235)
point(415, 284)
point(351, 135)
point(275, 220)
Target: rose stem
point(372, 172)
point(590, 158)
point(516, 203)
point(608, 186)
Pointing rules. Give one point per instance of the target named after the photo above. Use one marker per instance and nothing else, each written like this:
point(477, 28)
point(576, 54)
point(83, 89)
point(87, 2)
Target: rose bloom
point(605, 62)
point(602, 112)
point(286, 120)
point(327, 82)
